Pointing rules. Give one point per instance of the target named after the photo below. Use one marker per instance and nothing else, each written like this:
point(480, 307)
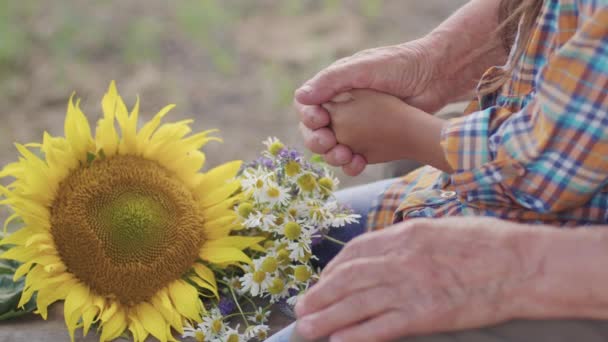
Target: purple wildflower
point(226, 306)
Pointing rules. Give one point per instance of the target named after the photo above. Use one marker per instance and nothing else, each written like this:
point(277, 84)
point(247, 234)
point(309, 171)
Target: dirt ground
point(230, 64)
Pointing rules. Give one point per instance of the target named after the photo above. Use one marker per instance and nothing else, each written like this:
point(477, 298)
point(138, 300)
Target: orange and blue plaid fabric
point(537, 149)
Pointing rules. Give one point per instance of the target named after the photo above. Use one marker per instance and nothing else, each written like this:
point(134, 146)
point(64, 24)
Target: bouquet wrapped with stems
point(125, 229)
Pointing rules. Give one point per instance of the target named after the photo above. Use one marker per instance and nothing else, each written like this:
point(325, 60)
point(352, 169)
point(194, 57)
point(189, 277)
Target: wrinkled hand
point(405, 71)
point(418, 277)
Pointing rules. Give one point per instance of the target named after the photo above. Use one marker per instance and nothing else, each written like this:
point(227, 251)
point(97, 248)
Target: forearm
point(464, 47)
point(419, 138)
point(567, 275)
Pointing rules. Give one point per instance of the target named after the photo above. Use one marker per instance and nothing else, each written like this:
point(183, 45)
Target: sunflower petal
point(152, 320)
point(8, 221)
point(219, 175)
point(136, 327)
point(114, 326)
point(224, 255)
point(87, 318)
point(162, 303)
point(185, 299)
point(76, 299)
point(205, 285)
point(143, 136)
point(240, 242)
point(218, 195)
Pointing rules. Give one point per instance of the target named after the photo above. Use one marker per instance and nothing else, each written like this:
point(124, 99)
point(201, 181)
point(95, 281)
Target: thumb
point(330, 82)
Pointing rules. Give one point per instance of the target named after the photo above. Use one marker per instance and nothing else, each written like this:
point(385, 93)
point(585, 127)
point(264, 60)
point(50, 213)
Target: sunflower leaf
point(10, 291)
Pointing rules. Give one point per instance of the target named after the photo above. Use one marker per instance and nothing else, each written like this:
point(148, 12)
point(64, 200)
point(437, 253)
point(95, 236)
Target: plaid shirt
point(537, 149)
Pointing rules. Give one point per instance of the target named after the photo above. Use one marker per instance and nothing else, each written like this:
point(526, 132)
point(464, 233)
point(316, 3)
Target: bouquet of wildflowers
point(288, 200)
point(121, 224)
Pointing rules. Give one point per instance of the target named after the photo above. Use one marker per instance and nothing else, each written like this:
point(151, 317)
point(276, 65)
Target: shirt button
point(448, 194)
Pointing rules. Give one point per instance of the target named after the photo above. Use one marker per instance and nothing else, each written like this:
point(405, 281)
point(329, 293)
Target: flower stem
point(336, 241)
point(238, 306)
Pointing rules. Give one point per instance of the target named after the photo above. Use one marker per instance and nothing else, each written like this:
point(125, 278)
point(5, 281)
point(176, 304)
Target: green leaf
point(10, 291)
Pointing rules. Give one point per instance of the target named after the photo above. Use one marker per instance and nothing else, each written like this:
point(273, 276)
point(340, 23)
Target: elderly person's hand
point(419, 277)
point(406, 71)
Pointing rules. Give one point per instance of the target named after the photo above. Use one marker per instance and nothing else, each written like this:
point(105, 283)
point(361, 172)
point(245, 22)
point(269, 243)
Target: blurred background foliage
point(230, 64)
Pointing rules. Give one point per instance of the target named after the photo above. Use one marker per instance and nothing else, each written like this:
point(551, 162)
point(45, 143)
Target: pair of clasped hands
point(361, 111)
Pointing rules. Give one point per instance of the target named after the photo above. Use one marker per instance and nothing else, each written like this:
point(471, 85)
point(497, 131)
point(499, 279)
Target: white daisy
point(232, 335)
point(341, 219)
point(255, 281)
point(253, 179)
point(274, 194)
point(300, 247)
point(197, 333)
point(278, 289)
point(273, 146)
point(213, 325)
point(258, 331)
point(260, 316)
point(265, 222)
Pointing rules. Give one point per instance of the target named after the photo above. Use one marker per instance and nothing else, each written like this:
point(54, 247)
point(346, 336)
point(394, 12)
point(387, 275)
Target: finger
point(369, 245)
point(386, 327)
point(352, 309)
point(318, 141)
point(339, 155)
point(348, 278)
point(313, 117)
point(333, 80)
point(356, 165)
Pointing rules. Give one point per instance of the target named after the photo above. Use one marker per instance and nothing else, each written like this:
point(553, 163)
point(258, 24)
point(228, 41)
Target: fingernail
point(342, 97)
point(305, 89)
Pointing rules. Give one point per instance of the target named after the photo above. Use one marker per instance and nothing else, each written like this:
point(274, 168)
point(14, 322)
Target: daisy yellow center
point(126, 227)
point(259, 276)
point(292, 230)
point(307, 182)
point(276, 287)
point(270, 265)
point(302, 273)
point(275, 148)
point(273, 192)
point(292, 168)
point(217, 326)
point(199, 336)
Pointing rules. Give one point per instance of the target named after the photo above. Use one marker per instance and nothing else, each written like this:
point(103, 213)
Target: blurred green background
point(230, 64)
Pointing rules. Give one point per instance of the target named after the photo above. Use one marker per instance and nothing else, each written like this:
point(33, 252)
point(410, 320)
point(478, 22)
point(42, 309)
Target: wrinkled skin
point(406, 71)
point(417, 277)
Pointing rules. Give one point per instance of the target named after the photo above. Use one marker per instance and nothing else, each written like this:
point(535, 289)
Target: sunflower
point(123, 227)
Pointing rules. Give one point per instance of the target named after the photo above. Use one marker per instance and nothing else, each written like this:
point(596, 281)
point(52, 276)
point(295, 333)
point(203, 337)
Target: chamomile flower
point(273, 147)
point(342, 219)
point(278, 289)
point(232, 335)
point(274, 194)
point(197, 333)
point(260, 316)
point(264, 221)
point(213, 324)
point(254, 179)
point(258, 331)
point(255, 281)
point(302, 273)
point(300, 248)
